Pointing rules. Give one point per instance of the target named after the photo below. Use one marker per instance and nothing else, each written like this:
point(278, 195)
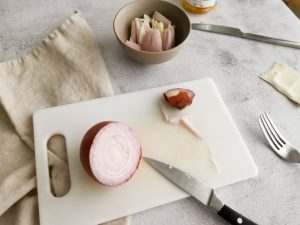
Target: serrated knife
point(232, 31)
point(199, 191)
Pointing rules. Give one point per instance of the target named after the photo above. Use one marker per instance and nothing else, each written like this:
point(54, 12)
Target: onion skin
point(85, 150)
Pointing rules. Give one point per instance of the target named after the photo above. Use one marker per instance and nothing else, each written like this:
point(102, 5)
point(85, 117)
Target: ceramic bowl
point(122, 27)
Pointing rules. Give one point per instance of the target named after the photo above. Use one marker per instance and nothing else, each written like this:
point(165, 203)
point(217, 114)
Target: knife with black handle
point(232, 31)
point(234, 217)
point(199, 191)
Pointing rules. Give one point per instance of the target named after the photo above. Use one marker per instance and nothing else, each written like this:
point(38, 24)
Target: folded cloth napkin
point(284, 79)
point(66, 67)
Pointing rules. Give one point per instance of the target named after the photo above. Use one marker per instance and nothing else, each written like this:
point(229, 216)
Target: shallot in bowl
point(137, 9)
point(152, 34)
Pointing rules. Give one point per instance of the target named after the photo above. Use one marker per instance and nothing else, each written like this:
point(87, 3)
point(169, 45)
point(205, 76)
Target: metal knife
point(199, 191)
point(238, 33)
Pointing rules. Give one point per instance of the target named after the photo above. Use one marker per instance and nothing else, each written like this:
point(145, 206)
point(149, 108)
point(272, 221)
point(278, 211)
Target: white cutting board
point(89, 203)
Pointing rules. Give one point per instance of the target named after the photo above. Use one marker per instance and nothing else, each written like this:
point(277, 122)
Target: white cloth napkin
point(285, 79)
point(66, 67)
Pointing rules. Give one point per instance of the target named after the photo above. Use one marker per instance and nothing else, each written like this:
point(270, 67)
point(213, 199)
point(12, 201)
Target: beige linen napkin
point(66, 67)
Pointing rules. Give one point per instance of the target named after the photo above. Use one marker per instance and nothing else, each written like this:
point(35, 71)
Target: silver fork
point(277, 142)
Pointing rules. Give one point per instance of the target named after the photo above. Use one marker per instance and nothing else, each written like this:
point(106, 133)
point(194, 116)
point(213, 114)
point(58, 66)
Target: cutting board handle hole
point(59, 173)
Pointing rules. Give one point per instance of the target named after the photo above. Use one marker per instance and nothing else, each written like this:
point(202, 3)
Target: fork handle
point(233, 217)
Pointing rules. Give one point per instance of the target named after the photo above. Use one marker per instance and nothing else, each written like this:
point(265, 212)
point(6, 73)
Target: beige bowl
point(122, 25)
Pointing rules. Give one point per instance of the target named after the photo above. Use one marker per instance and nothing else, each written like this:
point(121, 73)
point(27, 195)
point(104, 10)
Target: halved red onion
point(110, 152)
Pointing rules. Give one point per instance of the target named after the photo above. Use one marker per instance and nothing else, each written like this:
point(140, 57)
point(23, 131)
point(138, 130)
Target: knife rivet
point(239, 220)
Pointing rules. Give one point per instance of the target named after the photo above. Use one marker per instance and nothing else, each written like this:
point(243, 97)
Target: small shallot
point(152, 41)
point(168, 38)
point(133, 45)
point(158, 16)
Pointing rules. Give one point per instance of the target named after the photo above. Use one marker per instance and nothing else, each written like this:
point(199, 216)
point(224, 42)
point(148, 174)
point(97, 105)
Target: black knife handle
point(234, 217)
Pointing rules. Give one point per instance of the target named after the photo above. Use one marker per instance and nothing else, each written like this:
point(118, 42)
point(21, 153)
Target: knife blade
point(199, 191)
point(232, 31)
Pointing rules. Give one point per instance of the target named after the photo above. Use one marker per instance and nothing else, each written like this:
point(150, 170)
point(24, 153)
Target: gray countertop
point(234, 64)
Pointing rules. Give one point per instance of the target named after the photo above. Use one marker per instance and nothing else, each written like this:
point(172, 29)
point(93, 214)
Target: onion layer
point(110, 153)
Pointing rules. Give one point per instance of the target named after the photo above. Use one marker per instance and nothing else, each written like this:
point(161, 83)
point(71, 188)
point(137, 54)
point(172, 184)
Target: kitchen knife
point(238, 33)
point(199, 191)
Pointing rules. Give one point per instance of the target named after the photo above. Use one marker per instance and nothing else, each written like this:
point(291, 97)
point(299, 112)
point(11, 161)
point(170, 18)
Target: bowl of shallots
point(151, 31)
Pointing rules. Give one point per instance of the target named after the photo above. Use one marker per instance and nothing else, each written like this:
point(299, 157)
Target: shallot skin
point(85, 153)
point(179, 97)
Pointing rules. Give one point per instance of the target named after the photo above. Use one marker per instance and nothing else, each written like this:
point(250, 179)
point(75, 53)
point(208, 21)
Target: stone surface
point(234, 64)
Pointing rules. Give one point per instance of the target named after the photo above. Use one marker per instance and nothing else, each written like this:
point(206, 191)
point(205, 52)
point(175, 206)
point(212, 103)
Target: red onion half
point(110, 152)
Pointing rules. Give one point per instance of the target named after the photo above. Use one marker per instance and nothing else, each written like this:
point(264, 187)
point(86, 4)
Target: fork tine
point(279, 135)
point(272, 131)
point(267, 134)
